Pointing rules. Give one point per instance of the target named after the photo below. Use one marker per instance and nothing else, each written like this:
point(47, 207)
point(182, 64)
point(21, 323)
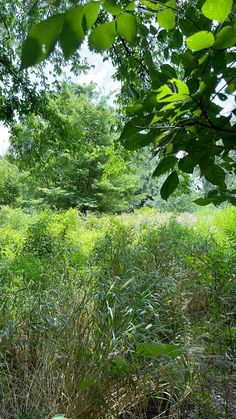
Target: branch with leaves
point(182, 93)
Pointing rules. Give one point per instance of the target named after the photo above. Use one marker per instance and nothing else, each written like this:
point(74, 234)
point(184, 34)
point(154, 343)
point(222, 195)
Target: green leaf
point(212, 193)
point(164, 91)
point(186, 164)
point(217, 9)
point(162, 36)
point(130, 6)
point(112, 7)
point(148, 59)
point(152, 5)
point(41, 40)
point(135, 125)
point(165, 164)
point(166, 18)
point(103, 36)
point(169, 148)
point(127, 26)
point(226, 38)
point(169, 185)
point(135, 109)
point(139, 140)
point(200, 40)
point(167, 71)
point(31, 53)
point(150, 102)
point(153, 350)
point(208, 84)
point(203, 201)
point(165, 94)
point(214, 174)
point(187, 27)
point(176, 40)
point(231, 87)
point(72, 34)
point(90, 13)
point(182, 86)
point(174, 97)
point(188, 60)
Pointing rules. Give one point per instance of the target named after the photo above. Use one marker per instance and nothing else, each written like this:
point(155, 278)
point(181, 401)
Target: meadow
point(122, 316)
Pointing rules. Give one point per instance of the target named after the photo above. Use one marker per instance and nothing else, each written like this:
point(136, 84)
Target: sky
point(101, 74)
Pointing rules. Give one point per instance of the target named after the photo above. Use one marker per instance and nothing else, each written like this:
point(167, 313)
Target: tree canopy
point(71, 156)
point(23, 92)
point(176, 60)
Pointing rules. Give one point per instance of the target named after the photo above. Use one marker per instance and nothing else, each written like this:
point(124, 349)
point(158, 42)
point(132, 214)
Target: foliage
point(24, 92)
point(99, 316)
point(71, 155)
point(9, 183)
point(176, 103)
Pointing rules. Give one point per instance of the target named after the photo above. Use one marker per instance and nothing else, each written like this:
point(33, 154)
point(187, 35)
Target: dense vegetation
point(117, 293)
point(121, 316)
point(176, 61)
point(71, 157)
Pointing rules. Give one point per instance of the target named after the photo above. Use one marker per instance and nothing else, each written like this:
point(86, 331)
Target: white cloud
point(101, 73)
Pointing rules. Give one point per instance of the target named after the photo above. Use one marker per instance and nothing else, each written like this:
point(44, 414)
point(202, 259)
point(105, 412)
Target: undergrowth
point(129, 316)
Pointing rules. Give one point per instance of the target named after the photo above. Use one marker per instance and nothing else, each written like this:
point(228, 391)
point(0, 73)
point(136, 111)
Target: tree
point(24, 92)
point(174, 103)
point(9, 183)
point(71, 157)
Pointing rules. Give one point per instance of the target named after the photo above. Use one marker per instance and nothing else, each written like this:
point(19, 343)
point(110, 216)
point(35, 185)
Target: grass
point(125, 316)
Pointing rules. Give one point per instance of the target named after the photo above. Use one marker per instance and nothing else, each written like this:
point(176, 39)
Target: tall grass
point(81, 295)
